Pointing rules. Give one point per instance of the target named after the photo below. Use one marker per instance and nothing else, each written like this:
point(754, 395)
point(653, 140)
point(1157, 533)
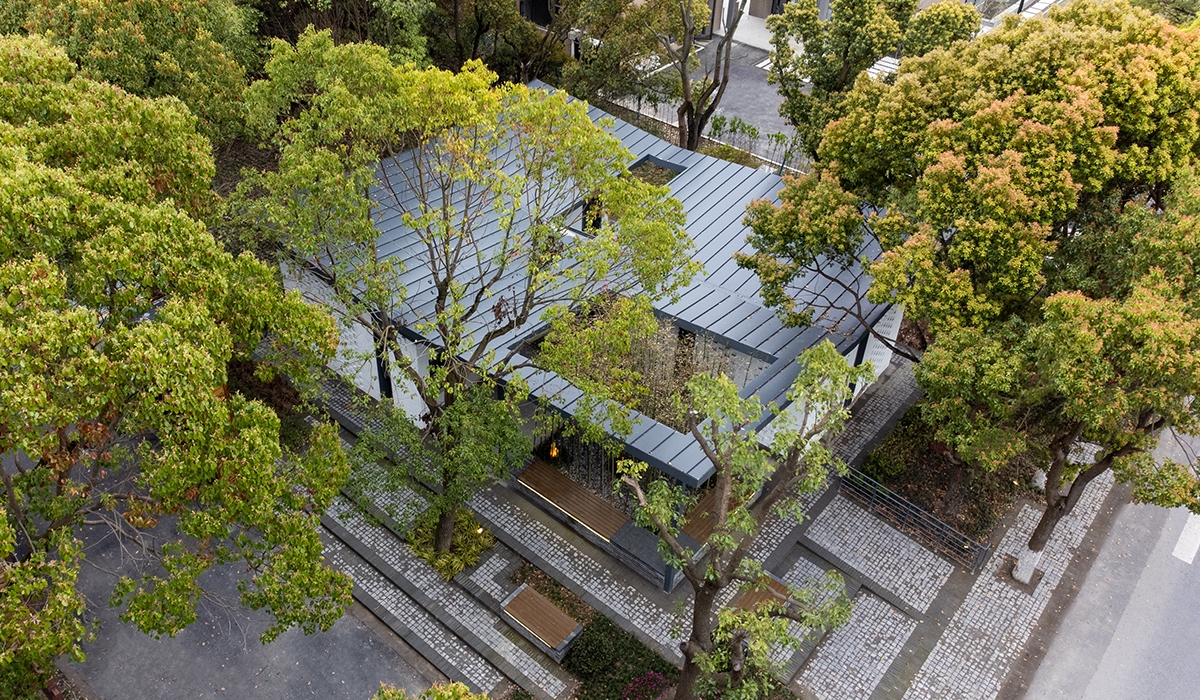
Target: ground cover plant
point(470, 541)
point(909, 462)
point(607, 659)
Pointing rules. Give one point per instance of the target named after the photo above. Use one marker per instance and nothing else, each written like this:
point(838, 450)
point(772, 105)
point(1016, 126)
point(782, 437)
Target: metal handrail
point(911, 519)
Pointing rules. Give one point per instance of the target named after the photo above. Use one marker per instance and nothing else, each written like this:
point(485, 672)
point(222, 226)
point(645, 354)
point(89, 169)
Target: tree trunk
point(1058, 506)
point(444, 535)
point(699, 641)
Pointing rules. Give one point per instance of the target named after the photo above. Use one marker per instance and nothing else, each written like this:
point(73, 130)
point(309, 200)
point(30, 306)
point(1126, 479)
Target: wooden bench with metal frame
point(540, 621)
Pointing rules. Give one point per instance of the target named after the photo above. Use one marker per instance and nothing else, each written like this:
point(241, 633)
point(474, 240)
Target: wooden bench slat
point(593, 512)
point(700, 519)
point(775, 590)
point(542, 618)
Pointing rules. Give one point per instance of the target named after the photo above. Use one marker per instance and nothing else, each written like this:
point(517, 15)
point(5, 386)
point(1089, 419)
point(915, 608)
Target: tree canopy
point(811, 82)
point(487, 260)
point(119, 314)
point(726, 652)
point(196, 50)
point(1022, 188)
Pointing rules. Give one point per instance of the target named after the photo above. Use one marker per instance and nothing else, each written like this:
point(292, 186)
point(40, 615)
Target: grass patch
point(652, 174)
point(607, 660)
point(910, 462)
point(470, 541)
point(734, 155)
point(554, 592)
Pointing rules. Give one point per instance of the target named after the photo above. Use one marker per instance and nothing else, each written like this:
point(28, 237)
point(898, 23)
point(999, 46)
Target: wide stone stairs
point(456, 632)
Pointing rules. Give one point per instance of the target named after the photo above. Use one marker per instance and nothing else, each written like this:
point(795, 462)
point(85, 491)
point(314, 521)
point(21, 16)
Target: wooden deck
point(699, 521)
point(593, 512)
point(775, 591)
point(541, 617)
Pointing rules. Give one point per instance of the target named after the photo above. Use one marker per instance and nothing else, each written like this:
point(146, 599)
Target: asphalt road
point(220, 654)
point(748, 95)
point(1133, 630)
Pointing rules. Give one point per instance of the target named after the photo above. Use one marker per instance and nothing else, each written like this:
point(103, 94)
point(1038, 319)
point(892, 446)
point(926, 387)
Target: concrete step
point(415, 625)
point(467, 618)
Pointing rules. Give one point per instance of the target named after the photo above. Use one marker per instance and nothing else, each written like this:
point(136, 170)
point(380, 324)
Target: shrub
point(608, 660)
point(447, 691)
point(469, 542)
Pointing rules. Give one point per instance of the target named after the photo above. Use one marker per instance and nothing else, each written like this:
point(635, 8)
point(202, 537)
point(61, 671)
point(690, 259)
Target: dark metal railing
point(913, 521)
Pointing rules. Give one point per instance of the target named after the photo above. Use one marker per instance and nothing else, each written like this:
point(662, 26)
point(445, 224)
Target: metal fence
point(915, 522)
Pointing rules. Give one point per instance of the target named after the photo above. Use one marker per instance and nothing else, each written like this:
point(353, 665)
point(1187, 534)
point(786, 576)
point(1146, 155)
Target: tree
point(940, 25)
point(1111, 366)
point(797, 462)
point(981, 168)
point(394, 24)
point(673, 24)
point(196, 50)
point(460, 31)
point(490, 259)
point(1006, 190)
point(812, 82)
point(614, 52)
point(119, 314)
point(441, 691)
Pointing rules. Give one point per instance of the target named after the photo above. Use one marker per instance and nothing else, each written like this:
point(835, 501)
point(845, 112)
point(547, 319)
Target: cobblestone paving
point(880, 552)
point(990, 628)
point(885, 401)
point(453, 651)
point(457, 606)
point(852, 660)
point(803, 573)
point(484, 576)
point(624, 600)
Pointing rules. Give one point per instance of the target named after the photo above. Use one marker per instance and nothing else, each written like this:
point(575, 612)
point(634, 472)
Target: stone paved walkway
point(419, 628)
point(462, 613)
point(990, 628)
point(880, 553)
point(570, 564)
point(852, 660)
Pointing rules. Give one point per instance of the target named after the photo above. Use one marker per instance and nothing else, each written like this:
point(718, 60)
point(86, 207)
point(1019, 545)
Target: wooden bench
point(700, 518)
point(775, 591)
point(540, 621)
point(597, 515)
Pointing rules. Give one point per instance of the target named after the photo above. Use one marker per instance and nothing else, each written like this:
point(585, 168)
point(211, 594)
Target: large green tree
point(697, 85)
point(726, 650)
point(394, 24)
point(1012, 175)
point(196, 50)
point(486, 181)
point(812, 81)
point(119, 314)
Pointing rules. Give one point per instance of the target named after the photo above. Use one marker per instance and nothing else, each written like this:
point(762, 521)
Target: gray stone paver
point(484, 576)
point(454, 653)
point(990, 628)
point(621, 598)
point(884, 403)
point(457, 606)
point(852, 659)
point(880, 552)
point(803, 574)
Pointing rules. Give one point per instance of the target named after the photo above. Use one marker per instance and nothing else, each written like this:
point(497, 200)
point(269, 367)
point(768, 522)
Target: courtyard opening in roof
point(619, 348)
point(586, 217)
point(654, 171)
